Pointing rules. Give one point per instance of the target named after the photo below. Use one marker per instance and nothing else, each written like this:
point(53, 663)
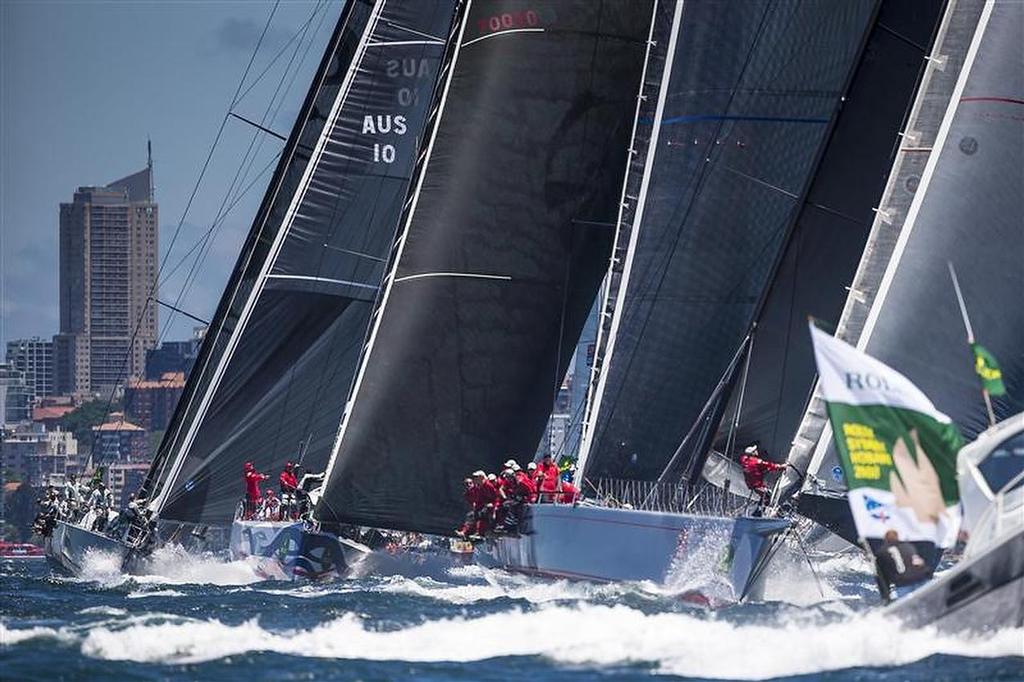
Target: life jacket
point(488, 494)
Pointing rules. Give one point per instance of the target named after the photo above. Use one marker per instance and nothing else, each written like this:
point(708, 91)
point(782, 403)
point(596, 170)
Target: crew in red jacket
point(470, 493)
point(289, 482)
point(488, 498)
point(253, 479)
point(755, 468)
point(570, 493)
point(526, 485)
point(548, 475)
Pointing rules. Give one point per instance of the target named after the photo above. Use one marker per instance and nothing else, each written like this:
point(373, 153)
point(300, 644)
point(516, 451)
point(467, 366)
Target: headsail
point(832, 226)
point(747, 98)
point(279, 359)
point(966, 209)
point(502, 249)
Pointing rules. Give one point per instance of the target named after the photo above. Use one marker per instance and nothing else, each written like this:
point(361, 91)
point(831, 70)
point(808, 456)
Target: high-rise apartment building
point(34, 359)
point(108, 269)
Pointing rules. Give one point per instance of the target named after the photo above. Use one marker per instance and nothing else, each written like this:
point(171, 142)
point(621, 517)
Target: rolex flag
point(897, 451)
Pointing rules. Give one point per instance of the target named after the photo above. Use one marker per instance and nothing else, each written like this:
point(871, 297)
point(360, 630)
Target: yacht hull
point(68, 545)
point(695, 554)
point(979, 594)
point(289, 550)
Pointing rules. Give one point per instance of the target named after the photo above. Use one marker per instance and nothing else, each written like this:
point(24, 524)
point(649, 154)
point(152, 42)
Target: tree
point(87, 415)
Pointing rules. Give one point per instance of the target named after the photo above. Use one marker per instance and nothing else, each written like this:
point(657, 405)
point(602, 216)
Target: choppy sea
point(204, 618)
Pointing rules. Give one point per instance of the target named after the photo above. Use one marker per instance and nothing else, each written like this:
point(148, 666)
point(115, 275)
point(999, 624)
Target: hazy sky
point(82, 86)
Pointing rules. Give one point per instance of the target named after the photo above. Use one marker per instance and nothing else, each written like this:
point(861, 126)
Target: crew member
point(289, 484)
point(755, 468)
point(470, 493)
point(253, 498)
point(547, 473)
point(487, 501)
point(526, 484)
point(570, 494)
point(271, 506)
point(899, 567)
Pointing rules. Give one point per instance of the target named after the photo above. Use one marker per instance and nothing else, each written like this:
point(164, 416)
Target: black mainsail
point(280, 356)
point(504, 242)
point(748, 99)
point(965, 209)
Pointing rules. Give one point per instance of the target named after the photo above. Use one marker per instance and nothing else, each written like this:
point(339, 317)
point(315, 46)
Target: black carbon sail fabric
point(970, 214)
point(752, 93)
point(832, 227)
point(274, 387)
point(505, 243)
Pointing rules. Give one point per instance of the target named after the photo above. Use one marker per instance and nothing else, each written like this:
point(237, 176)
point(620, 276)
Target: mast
point(500, 255)
point(631, 212)
point(283, 353)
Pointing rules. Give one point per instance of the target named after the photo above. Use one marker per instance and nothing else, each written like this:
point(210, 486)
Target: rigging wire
point(177, 231)
point(241, 175)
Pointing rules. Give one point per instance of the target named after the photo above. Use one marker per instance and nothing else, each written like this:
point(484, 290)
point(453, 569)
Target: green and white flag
point(898, 452)
point(988, 370)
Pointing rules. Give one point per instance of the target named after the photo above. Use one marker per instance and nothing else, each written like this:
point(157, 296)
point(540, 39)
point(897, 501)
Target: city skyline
point(85, 85)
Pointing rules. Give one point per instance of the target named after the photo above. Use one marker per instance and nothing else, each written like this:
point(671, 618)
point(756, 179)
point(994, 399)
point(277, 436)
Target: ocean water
point(204, 618)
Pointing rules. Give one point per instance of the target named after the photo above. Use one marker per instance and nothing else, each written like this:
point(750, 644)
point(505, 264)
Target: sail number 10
point(507, 20)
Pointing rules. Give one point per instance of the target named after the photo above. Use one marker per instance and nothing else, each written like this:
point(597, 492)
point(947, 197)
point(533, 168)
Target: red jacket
point(252, 484)
point(755, 469)
point(527, 487)
point(569, 493)
point(548, 475)
point(487, 494)
point(288, 482)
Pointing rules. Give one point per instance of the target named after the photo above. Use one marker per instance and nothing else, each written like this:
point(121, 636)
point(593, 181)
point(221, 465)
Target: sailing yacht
point(736, 110)
point(270, 382)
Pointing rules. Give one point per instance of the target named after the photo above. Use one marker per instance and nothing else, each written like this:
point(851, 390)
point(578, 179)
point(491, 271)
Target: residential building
point(14, 402)
point(171, 357)
point(34, 455)
point(151, 404)
point(34, 359)
point(118, 441)
point(108, 269)
point(125, 478)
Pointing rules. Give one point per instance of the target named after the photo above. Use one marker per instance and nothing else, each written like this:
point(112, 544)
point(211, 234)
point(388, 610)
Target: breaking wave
point(582, 636)
point(169, 565)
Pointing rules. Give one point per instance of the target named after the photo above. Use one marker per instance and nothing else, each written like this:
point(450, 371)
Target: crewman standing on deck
point(755, 468)
point(547, 473)
point(253, 497)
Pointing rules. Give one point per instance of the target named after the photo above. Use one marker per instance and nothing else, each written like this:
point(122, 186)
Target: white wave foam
point(584, 635)
point(174, 565)
point(103, 611)
point(12, 636)
point(168, 565)
point(142, 594)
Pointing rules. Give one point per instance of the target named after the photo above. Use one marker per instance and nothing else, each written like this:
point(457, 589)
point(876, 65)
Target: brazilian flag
point(988, 370)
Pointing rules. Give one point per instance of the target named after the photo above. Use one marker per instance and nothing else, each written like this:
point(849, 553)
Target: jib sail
point(745, 103)
point(279, 359)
